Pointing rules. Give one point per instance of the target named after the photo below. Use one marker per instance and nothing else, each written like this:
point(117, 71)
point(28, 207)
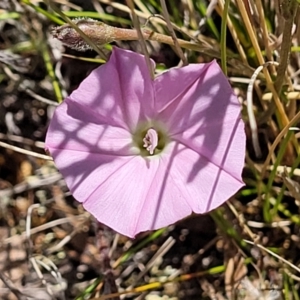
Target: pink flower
point(141, 154)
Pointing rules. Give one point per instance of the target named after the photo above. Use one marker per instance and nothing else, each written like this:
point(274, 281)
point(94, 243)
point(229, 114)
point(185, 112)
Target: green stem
point(51, 73)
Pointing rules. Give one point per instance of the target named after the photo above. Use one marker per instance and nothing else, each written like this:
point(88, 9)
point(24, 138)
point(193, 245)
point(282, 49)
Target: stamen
point(150, 140)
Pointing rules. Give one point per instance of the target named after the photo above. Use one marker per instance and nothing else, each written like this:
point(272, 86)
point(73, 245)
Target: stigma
point(150, 140)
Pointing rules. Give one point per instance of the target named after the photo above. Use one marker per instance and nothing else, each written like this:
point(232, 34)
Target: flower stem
point(101, 33)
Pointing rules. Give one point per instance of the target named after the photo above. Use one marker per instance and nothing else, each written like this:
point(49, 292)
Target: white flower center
point(150, 140)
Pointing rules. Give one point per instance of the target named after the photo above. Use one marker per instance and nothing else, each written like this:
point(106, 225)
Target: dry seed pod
point(96, 31)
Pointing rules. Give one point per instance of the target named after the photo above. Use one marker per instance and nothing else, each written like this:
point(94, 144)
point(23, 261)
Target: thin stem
point(101, 33)
point(24, 151)
point(265, 34)
point(223, 37)
point(140, 37)
point(289, 9)
point(261, 61)
point(172, 32)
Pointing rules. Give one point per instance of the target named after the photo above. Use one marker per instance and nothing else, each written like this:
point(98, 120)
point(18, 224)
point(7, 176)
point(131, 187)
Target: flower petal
point(75, 127)
point(84, 172)
point(172, 84)
point(204, 185)
point(223, 144)
point(140, 196)
point(206, 118)
point(147, 194)
point(121, 89)
point(206, 97)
